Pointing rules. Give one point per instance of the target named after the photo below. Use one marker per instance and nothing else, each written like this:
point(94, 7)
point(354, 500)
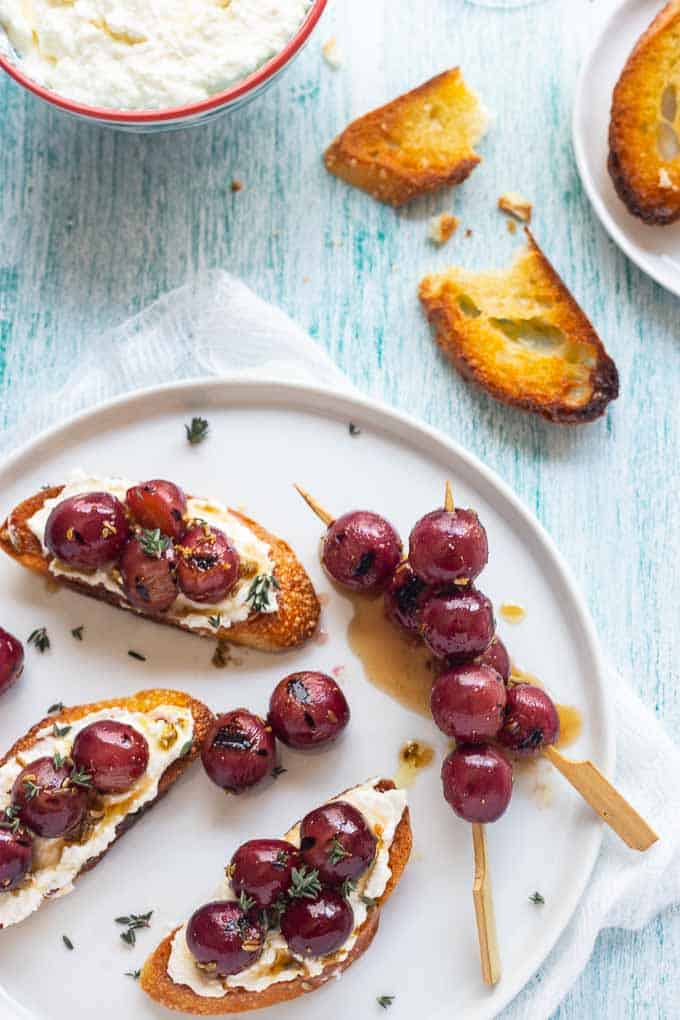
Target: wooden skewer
point(605, 799)
point(482, 895)
point(322, 514)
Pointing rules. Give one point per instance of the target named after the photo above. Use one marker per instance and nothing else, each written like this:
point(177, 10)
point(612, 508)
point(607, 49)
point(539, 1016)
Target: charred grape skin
point(208, 565)
point(496, 656)
point(477, 782)
point(261, 868)
point(149, 581)
point(46, 800)
point(467, 702)
point(405, 597)
point(336, 840)
point(223, 939)
point(317, 927)
point(11, 660)
point(308, 710)
point(238, 751)
point(87, 531)
point(16, 857)
point(448, 547)
point(361, 551)
point(531, 722)
point(158, 504)
point(458, 624)
point(113, 753)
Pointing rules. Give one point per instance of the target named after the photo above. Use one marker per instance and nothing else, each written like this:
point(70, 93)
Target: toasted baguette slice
point(156, 982)
point(294, 621)
point(644, 131)
point(419, 142)
point(521, 335)
point(142, 702)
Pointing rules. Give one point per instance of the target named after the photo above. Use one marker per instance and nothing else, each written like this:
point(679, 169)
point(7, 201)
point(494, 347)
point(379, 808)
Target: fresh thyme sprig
point(347, 887)
point(304, 883)
point(245, 901)
point(153, 542)
point(60, 731)
point(197, 431)
point(215, 621)
point(39, 638)
point(79, 777)
point(133, 923)
point(260, 591)
point(537, 899)
point(10, 819)
point(58, 760)
point(31, 789)
point(385, 1000)
point(77, 632)
point(133, 974)
point(336, 851)
point(58, 706)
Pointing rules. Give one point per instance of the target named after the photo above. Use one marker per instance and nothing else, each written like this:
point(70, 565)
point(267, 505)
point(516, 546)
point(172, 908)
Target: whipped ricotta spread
point(383, 813)
point(196, 616)
point(146, 54)
point(56, 862)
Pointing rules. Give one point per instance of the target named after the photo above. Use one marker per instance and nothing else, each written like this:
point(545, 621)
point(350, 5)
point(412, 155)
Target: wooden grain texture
point(94, 225)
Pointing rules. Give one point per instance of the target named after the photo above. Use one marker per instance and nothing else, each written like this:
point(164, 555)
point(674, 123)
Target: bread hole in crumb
point(468, 307)
point(669, 103)
point(667, 141)
point(534, 334)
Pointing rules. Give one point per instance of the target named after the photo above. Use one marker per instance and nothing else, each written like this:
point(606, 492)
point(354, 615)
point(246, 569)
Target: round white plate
point(263, 437)
point(656, 250)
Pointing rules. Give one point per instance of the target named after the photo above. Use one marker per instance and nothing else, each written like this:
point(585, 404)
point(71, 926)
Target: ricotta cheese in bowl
point(146, 54)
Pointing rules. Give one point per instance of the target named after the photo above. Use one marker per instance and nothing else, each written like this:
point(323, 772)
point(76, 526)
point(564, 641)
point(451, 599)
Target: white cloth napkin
point(217, 326)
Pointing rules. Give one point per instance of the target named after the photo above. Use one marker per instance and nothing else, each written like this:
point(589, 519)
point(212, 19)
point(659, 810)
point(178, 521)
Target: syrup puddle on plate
point(414, 756)
point(512, 612)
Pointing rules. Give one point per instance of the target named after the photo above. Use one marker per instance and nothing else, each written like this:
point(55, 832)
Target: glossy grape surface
point(467, 702)
point(405, 597)
point(317, 927)
point(239, 750)
point(336, 840)
point(447, 546)
point(149, 581)
point(11, 660)
point(308, 709)
point(531, 720)
point(207, 564)
point(261, 868)
point(496, 656)
point(158, 504)
point(477, 782)
point(361, 550)
point(221, 934)
point(47, 802)
point(113, 753)
point(16, 857)
point(87, 531)
point(458, 624)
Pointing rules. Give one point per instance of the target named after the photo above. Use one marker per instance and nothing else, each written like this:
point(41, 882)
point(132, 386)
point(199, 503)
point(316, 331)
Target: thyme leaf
point(305, 883)
point(385, 1001)
point(133, 974)
point(77, 632)
point(537, 899)
point(153, 542)
point(39, 638)
point(336, 851)
point(260, 590)
point(67, 942)
point(79, 777)
point(60, 731)
point(215, 621)
point(31, 788)
point(197, 431)
point(58, 706)
point(348, 886)
point(136, 655)
point(245, 901)
point(354, 430)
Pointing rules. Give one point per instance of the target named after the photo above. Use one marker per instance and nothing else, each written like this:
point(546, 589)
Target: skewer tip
point(322, 514)
point(448, 497)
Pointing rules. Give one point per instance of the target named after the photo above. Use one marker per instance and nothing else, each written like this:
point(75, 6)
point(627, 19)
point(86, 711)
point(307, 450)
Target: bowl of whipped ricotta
point(151, 65)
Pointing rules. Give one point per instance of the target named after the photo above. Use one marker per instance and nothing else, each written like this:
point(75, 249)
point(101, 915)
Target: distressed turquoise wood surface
point(94, 225)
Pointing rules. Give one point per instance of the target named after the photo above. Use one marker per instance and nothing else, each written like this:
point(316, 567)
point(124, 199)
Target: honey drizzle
point(512, 612)
point(414, 756)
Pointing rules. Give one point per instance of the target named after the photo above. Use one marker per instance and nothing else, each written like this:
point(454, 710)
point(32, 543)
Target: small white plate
point(656, 250)
point(263, 437)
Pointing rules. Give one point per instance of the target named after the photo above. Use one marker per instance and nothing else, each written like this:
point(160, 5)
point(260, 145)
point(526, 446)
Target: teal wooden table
point(95, 225)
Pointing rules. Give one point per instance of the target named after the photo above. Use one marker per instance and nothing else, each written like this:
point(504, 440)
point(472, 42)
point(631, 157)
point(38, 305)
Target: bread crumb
point(512, 226)
point(442, 228)
point(515, 204)
point(331, 54)
point(468, 232)
point(236, 185)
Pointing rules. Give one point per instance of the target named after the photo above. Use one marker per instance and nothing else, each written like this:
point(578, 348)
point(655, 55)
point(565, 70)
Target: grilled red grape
point(113, 753)
point(317, 927)
point(448, 547)
point(497, 657)
point(308, 710)
point(531, 720)
point(239, 750)
point(16, 855)
point(261, 868)
point(477, 782)
point(11, 660)
point(208, 564)
point(148, 569)
point(224, 939)
point(87, 531)
point(467, 702)
point(336, 840)
point(46, 799)
point(405, 596)
point(457, 624)
point(361, 550)
point(158, 504)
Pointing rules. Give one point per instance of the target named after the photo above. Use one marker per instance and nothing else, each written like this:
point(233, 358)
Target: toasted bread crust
point(294, 621)
point(156, 982)
point(372, 153)
point(142, 701)
point(540, 385)
point(635, 164)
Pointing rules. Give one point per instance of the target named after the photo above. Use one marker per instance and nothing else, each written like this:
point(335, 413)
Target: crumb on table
point(442, 228)
point(516, 205)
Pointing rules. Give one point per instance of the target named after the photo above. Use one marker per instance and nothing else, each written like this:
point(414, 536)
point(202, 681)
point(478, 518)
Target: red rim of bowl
point(258, 77)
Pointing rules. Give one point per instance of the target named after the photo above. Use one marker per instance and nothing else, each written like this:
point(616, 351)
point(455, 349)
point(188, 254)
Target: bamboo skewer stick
point(322, 514)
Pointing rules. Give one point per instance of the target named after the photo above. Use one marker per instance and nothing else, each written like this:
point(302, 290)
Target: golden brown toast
point(294, 621)
point(521, 335)
point(142, 701)
point(419, 142)
point(644, 131)
point(156, 982)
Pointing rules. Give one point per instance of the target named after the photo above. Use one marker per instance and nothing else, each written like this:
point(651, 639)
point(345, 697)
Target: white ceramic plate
point(263, 437)
point(656, 250)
